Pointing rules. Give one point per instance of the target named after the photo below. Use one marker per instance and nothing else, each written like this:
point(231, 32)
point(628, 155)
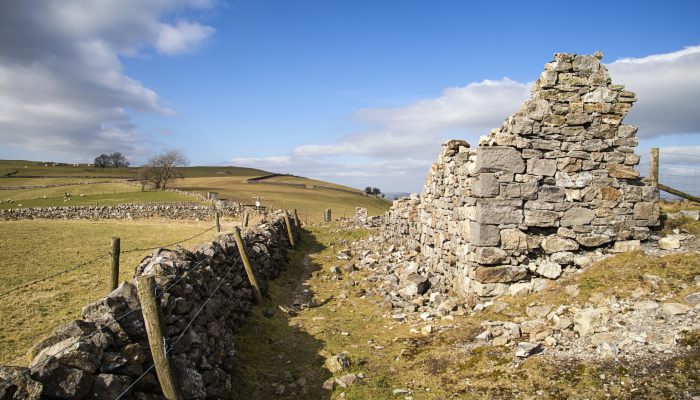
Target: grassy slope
point(31, 250)
point(308, 202)
point(439, 366)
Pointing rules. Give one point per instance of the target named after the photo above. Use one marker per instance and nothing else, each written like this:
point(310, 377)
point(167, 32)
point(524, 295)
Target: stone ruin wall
point(102, 354)
point(557, 178)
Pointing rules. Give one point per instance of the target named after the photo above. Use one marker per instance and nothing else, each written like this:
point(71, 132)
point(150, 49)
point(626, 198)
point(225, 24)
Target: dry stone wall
point(179, 211)
point(556, 178)
point(205, 296)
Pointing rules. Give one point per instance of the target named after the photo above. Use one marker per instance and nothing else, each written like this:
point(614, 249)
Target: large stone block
point(622, 171)
point(497, 158)
point(577, 216)
point(500, 274)
point(554, 243)
point(541, 218)
point(483, 234)
point(543, 167)
point(498, 212)
point(485, 185)
point(490, 255)
point(513, 239)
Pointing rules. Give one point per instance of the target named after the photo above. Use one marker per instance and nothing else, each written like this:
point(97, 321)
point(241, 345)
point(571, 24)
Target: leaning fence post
point(296, 219)
point(246, 264)
point(115, 262)
point(155, 330)
point(654, 167)
point(218, 224)
point(245, 219)
point(289, 228)
point(327, 215)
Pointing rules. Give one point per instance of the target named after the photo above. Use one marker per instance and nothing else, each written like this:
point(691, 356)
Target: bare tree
point(102, 161)
point(162, 168)
point(118, 160)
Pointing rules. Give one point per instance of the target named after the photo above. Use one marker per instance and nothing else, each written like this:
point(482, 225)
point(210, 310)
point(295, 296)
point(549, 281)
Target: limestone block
point(513, 239)
point(485, 185)
point(624, 246)
point(645, 210)
point(499, 212)
point(497, 158)
point(541, 218)
point(538, 166)
point(500, 274)
point(483, 234)
point(622, 171)
point(555, 243)
point(548, 269)
point(577, 216)
point(490, 255)
point(600, 95)
point(551, 194)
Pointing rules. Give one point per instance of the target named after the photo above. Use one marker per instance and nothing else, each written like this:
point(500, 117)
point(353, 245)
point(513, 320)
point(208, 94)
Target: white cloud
point(183, 37)
point(667, 86)
point(62, 85)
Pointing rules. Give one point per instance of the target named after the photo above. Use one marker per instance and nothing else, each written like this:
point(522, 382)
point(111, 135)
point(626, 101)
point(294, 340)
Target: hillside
point(39, 184)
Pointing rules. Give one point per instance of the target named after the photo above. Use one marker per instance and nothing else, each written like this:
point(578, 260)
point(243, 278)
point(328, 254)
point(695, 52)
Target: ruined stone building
point(557, 178)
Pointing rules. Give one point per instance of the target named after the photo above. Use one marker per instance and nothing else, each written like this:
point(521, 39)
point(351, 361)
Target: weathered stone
point(484, 235)
point(494, 159)
point(577, 216)
point(513, 239)
point(490, 255)
point(669, 243)
point(538, 166)
point(625, 246)
point(526, 349)
point(108, 386)
point(554, 243)
point(498, 212)
point(622, 171)
point(670, 310)
point(414, 285)
point(485, 185)
point(591, 320)
point(548, 269)
point(337, 363)
point(500, 274)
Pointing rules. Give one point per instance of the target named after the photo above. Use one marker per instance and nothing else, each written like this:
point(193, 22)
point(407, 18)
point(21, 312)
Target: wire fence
point(678, 170)
point(100, 257)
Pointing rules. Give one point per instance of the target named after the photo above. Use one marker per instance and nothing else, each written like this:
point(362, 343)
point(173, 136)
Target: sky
point(355, 92)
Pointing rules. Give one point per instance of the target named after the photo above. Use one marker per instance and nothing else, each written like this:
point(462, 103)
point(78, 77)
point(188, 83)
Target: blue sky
point(355, 92)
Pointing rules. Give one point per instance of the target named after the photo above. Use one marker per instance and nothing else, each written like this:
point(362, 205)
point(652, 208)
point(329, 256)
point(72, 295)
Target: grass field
point(30, 250)
point(309, 203)
point(304, 181)
point(106, 194)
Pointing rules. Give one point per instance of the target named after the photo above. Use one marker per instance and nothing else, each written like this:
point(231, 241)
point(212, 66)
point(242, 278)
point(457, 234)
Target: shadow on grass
point(275, 358)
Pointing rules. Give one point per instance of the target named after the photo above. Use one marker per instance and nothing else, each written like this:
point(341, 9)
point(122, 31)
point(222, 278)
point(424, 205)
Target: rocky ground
point(362, 319)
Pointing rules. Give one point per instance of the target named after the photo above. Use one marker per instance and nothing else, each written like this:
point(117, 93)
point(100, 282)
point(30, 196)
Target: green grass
point(15, 182)
point(309, 203)
point(33, 249)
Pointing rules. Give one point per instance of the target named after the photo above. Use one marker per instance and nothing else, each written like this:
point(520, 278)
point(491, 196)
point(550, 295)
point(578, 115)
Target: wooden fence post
point(155, 330)
point(654, 167)
point(245, 219)
point(218, 224)
point(289, 228)
point(115, 262)
point(296, 219)
point(246, 264)
point(327, 215)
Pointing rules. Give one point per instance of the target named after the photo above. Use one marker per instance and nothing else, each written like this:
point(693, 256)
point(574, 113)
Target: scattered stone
point(337, 363)
point(670, 310)
point(526, 349)
point(669, 243)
